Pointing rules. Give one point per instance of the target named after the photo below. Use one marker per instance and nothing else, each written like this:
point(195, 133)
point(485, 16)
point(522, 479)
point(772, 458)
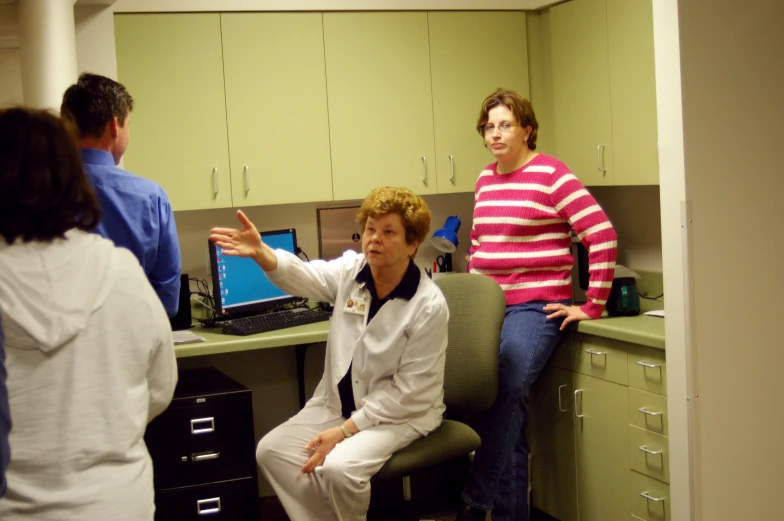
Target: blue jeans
point(498, 479)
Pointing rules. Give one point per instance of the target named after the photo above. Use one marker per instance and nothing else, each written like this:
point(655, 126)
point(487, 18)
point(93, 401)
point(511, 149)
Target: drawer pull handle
point(452, 169)
point(424, 170)
point(646, 450)
point(580, 415)
point(651, 498)
point(198, 428)
point(214, 183)
point(648, 365)
point(650, 413)
point(560, 407)
point(204, 456)
point(597, 353)
point(205, 507)
point(246, 175)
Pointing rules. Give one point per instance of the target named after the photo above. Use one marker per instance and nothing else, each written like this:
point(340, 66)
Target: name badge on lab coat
point(358, 303)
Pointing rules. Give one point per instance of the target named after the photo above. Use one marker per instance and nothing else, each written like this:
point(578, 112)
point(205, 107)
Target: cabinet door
point(380, 102)
point(633, 87)
point(464, 72)
point(600, 436)
point(581, 89)
point(551, 436)
point(173, 68)
point(276, 103)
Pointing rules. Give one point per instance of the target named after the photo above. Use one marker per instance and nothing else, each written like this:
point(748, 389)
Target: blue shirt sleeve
point(165, 274)
point(5, 417)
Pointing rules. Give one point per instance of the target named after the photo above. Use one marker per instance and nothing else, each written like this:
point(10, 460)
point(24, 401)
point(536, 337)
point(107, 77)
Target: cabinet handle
point(247, 179)
point(424, 170)
point(205, 507)
point(452, 168)
point(580, 415)
point(651, 498)
point(215, 182)
point(204, 456)
point(560, 407)
point(196, 428)
point(649, 413)
point(597, 353)
point(646, 364)
point(646, 450)
point(600, 159)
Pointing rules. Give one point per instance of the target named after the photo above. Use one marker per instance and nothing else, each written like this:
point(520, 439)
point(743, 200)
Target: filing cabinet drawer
point(650, 499)
point(230, 500)
point(649, 453)
point(603, 358)
point(210, 442)
point(648, 411)
point(647, 369)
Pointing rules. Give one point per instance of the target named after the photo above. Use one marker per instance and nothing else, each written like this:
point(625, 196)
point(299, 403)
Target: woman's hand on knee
point(569, 313)
point(322, 445)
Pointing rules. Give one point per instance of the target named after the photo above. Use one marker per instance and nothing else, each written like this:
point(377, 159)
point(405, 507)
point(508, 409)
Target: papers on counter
point(655, 313)
point(186, 336)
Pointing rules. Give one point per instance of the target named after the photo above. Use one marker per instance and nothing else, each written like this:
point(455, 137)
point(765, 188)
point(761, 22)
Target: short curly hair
point(517, 103)
point(411, 208)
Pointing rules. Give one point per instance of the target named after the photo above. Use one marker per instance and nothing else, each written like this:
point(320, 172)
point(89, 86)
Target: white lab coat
point(397, 377)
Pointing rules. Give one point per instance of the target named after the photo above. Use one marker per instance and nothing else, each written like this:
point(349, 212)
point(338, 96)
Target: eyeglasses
point(504, 127)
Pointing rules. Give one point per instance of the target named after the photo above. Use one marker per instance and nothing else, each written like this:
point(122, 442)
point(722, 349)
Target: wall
point(732, 82)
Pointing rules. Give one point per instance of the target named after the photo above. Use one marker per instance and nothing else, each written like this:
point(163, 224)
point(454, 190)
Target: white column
point(47, 51)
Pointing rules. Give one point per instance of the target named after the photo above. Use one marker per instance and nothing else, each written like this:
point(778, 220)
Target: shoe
point(469, 513)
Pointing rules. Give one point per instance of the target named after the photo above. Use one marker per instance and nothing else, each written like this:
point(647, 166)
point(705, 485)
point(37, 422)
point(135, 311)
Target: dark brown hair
point(93, 101)
point(521, 108)
point(45, 191)
point(411, 208)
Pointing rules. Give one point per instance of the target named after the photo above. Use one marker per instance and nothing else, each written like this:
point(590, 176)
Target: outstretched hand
point(238, 242)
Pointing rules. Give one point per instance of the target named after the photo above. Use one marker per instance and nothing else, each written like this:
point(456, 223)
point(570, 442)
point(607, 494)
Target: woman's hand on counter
point(571, 313)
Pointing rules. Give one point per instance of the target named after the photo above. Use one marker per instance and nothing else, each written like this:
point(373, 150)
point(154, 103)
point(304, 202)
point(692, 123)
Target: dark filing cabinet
point(203, 451)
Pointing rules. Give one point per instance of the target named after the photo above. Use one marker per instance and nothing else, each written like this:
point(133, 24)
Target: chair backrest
point(476, 313)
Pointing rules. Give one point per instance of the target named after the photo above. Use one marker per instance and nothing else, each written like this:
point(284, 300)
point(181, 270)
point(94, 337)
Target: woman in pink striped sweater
point(525, 205)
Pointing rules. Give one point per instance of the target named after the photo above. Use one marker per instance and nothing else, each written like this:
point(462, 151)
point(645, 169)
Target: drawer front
point(649, 453)
point(601, 357)
point(229, 500)
point(201, 444)
point(650, 499)
point(647, 369)
point(648, 411)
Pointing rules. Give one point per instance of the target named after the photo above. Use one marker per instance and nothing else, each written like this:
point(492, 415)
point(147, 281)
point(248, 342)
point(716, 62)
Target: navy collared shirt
point(406, 289)
point(137, 215)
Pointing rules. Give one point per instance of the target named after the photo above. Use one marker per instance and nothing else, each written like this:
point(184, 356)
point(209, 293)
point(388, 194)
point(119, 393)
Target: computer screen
point(239, 285)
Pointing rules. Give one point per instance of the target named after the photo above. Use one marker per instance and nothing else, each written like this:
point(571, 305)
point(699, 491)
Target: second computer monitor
point(239, 285)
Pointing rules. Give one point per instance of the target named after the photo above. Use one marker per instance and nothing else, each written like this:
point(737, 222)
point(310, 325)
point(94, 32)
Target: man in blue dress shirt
point(136, 211)
point(5, 416)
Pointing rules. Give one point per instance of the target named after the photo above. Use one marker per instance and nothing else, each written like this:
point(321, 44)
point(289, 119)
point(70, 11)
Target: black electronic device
point(182, 320)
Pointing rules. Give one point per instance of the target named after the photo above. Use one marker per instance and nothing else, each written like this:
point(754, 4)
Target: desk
point(299, 337)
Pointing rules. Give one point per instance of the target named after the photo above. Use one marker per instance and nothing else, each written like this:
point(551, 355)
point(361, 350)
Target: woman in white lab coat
point(383, 377)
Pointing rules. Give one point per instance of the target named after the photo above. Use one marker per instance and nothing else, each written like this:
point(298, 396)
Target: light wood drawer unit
point(600, 357)
point(650, 499)
point(648, 411)
point(649, 453)
point(647, 369)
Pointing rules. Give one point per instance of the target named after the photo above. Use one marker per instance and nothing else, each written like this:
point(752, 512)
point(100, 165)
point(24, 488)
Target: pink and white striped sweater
point(520, 235)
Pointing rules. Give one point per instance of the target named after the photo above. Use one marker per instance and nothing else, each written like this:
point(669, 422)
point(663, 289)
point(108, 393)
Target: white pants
point(339, 489)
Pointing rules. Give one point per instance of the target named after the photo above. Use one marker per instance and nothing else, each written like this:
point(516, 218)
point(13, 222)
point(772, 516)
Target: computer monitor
point(240, 286)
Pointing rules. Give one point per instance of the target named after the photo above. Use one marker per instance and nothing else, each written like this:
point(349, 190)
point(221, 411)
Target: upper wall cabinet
point(276, 102)
point(173, 68)
point(604, 90)
point(380, 105)
point(464, 72)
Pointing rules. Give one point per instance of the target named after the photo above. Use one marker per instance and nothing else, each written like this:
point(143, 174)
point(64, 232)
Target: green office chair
point(476, 313)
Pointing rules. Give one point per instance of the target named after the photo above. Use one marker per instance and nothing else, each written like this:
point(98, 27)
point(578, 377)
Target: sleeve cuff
point(361, 420)
point(592, 310)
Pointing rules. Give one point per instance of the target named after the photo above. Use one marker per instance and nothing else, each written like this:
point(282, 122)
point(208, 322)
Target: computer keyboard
point(273, 321)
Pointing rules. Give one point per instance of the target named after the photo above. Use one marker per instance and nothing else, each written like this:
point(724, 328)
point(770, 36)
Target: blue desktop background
point(243, 282)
